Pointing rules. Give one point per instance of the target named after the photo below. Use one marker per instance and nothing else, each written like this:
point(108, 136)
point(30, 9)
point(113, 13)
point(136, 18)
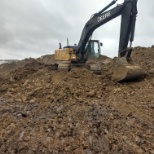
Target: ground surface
point(46, 111)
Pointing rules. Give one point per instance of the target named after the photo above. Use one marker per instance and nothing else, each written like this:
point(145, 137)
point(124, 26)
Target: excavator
point(77, 55)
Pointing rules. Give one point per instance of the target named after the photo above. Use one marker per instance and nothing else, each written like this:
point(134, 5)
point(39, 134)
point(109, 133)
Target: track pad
point(95, 68)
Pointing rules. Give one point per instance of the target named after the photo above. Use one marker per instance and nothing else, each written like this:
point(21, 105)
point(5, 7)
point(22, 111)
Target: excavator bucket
point(127, 72)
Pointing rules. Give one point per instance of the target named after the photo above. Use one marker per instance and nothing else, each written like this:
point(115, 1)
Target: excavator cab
point(93, 49)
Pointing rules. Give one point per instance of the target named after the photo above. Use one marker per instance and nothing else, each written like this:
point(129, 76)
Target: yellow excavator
point(77, 55)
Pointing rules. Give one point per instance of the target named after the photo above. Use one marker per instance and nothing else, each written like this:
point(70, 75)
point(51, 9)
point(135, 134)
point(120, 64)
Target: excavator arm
point(128, 12)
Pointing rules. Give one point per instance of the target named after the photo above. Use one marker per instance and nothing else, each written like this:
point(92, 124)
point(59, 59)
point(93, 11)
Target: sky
point(32, 28)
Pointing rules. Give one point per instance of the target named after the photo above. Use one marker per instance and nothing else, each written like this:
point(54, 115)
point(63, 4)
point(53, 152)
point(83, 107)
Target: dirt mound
point(46, 59)
point(144, 57)
point(46, 111)
point(7, 68)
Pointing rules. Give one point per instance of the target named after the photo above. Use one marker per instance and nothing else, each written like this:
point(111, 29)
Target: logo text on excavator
point(104, 16)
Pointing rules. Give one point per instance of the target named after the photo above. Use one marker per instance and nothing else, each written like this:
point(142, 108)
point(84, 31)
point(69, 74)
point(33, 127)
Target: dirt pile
point(46, 111)
point(144, 57)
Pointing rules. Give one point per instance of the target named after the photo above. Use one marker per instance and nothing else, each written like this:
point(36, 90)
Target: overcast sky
point(32, 28)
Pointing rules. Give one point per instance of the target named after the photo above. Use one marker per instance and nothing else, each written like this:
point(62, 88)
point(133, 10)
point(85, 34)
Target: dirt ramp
point(47, 111)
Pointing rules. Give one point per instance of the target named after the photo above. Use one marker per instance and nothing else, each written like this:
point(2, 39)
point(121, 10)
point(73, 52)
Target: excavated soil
point(47, 111)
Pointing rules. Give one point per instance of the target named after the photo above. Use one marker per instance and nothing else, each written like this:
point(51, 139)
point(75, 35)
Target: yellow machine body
point(66, 54)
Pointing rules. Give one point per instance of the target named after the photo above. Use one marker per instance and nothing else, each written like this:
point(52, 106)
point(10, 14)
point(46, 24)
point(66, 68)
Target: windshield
point(92, 49)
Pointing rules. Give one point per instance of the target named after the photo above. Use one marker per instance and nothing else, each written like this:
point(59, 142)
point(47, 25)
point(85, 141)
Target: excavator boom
point(128, 12)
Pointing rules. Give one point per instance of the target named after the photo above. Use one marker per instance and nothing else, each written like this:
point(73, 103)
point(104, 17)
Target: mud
point(47, 111)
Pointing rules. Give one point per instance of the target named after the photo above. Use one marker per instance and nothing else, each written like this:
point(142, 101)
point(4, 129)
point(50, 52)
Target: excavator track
point(96, 69)
point(64, 67)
